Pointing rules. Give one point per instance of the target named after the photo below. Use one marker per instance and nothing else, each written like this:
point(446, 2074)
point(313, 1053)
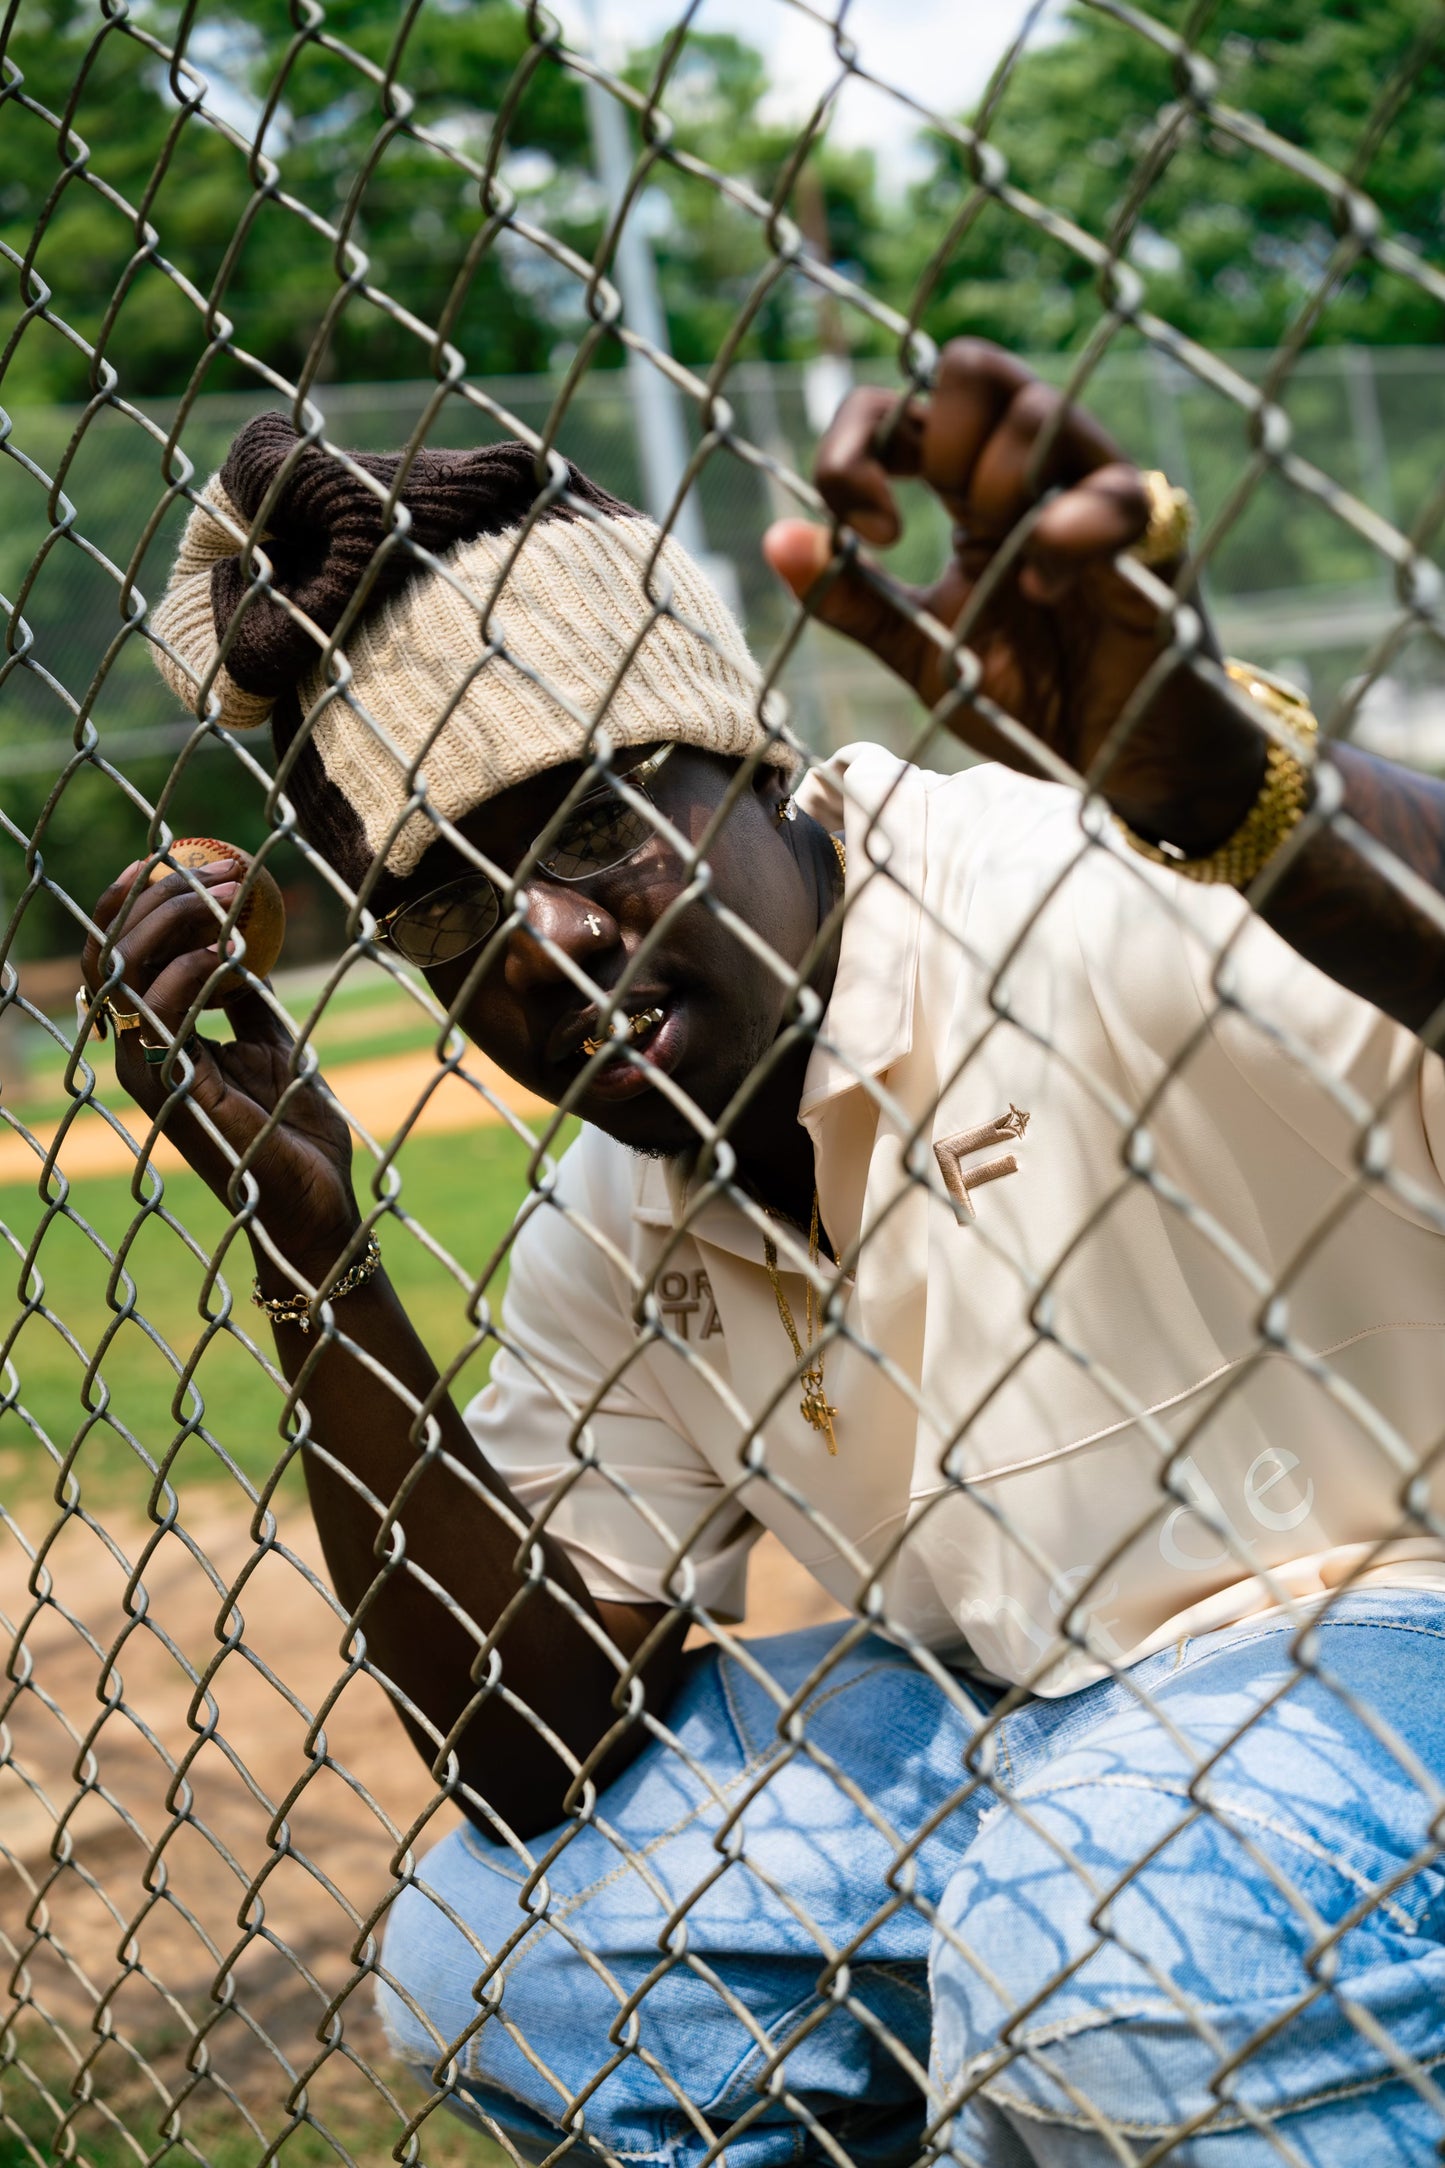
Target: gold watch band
point(1283, 796)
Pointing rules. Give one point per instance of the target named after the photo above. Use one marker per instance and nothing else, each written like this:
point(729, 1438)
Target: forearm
point(1355, 922)
point(457, 1529)
point(1196, 772)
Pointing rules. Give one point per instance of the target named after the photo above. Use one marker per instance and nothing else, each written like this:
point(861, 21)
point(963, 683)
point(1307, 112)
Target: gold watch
point(1283, 796)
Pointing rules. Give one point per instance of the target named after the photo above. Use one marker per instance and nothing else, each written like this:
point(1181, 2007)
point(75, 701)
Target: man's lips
point(639, 1024)
point(587, 1030)
point(657, 1043)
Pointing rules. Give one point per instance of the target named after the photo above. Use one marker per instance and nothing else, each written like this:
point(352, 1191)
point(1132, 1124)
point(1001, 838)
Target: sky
point(939, 51)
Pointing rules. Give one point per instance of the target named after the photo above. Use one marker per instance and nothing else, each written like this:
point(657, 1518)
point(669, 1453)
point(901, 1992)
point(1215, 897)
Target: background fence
point(205, 1809)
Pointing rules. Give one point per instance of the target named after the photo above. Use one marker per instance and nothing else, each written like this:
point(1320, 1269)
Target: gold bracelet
point(296, 1309)
point(1283, 795)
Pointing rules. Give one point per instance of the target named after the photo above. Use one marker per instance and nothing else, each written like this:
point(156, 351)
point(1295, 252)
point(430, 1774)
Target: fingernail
point(225, 891)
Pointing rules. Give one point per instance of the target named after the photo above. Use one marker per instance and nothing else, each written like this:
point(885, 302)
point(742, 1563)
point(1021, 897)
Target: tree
point(415, 215)
point(711, 253)
point(1229, 243)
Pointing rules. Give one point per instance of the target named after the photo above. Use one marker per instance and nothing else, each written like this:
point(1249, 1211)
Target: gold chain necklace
point(816, 1410)
point(815, 1400)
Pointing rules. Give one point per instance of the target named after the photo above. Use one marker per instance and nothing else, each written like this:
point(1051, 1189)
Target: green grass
point(464, 1188)
point(355, 2123)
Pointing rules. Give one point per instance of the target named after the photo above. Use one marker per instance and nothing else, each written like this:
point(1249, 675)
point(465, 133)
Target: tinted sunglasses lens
point(446, 923)
point(601, 833)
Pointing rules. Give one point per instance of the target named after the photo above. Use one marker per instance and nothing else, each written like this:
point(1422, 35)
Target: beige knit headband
point(574, 600)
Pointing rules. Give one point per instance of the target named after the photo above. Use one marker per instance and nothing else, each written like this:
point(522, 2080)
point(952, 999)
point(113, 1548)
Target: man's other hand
point(1062, 638)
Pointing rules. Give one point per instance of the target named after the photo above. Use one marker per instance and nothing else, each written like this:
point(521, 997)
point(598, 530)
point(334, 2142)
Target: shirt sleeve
point(642, 1488)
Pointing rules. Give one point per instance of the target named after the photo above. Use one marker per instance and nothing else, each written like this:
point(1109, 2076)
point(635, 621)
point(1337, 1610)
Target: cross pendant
point(816, 1409)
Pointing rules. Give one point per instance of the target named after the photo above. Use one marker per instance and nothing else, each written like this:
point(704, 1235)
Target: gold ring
point(1171, 520)
point(121, 1020)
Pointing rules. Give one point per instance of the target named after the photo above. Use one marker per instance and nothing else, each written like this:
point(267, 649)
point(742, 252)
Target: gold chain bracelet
point(296, 1309)
point(1283, 795)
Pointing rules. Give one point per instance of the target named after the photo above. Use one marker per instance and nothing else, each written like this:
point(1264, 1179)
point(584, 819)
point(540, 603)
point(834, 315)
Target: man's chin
point(649, 1125)
point(649, 1122)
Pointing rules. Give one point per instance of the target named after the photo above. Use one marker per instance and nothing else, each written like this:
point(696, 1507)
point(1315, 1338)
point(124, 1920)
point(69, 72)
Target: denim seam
point(987, 1819)
point(894, 1968)
point(1299, 1839)
point(1269, 1630)
point(1346, 2089)
point(564, 1907)
point(753, 2053)
point(751, 1752)
point(739, 1723)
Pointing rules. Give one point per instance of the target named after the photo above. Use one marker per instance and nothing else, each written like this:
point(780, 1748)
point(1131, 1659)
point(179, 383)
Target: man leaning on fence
point(974, 1190)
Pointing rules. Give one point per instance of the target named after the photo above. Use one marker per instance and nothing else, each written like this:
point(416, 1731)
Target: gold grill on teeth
point(636, 1025)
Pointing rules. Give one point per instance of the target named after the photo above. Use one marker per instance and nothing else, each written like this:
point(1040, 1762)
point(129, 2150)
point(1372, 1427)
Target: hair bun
point(322, 533)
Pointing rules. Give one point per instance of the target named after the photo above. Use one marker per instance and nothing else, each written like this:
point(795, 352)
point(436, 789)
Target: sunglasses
point(601, 832)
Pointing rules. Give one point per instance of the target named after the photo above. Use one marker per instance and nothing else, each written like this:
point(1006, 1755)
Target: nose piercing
point(593, 924)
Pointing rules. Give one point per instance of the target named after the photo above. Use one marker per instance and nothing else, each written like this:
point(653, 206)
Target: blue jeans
point(851, 1936)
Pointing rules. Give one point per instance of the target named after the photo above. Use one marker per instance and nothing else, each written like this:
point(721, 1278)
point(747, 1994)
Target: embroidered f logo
point(951, 1152)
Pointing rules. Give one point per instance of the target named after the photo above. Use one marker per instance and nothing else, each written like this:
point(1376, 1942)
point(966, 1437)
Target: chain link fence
point(1175, 1284)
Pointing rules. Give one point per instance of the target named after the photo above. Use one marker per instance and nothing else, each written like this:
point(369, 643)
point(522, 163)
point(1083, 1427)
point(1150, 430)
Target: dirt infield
point(378, 1095)
point(141, 1873)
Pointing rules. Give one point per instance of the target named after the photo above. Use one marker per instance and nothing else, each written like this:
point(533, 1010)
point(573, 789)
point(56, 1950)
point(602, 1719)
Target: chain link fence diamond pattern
point(206, 1835)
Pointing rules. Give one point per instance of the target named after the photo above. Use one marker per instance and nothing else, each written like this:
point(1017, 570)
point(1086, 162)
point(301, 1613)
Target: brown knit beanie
point(491, 664)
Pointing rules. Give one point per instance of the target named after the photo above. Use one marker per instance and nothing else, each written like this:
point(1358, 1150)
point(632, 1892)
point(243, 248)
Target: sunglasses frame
point(637, 778)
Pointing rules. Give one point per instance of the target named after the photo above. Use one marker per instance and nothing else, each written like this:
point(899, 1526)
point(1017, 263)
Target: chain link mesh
point(207, 1825)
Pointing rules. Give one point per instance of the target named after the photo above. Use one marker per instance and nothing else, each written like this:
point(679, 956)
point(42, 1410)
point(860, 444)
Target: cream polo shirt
point(1172, 1363)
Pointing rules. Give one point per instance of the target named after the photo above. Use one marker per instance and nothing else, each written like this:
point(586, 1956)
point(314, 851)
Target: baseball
point(262, 920)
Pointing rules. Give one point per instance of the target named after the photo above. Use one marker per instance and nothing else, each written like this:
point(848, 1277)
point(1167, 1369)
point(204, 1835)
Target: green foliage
point(255, 249)
point(1230, 243)
point(250, 245)
point(714, 261)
